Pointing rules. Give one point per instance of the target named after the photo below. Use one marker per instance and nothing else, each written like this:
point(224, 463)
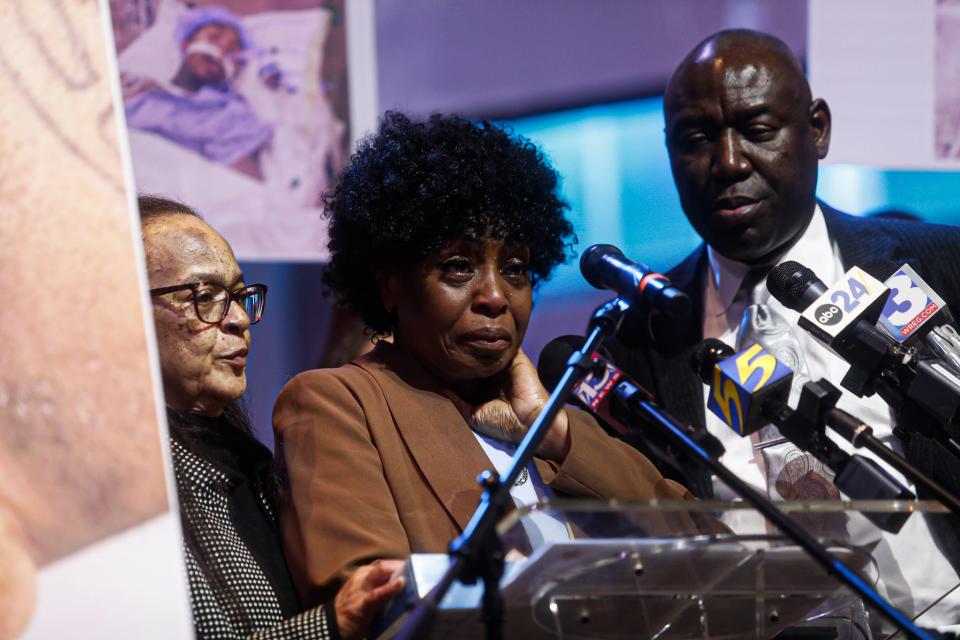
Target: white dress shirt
point(914, 572)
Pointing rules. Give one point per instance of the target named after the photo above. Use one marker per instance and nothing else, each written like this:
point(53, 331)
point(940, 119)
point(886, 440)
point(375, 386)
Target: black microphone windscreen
point(707, 355)
point(590, 263)
point(787, 283)
point(553, 358)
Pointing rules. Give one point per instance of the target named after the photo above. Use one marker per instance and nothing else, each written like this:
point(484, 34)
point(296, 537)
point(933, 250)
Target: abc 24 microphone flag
point(742, 384)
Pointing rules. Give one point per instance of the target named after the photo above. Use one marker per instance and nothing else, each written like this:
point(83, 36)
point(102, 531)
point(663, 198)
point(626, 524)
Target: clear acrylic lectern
point(674, 570)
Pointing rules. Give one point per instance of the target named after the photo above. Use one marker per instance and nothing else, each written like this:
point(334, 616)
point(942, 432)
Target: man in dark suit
point(744, 136)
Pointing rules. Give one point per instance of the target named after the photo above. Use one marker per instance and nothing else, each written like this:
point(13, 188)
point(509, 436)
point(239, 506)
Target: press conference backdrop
point(616, 176)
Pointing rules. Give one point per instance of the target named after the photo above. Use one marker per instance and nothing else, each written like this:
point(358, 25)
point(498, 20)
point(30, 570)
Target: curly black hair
point(413, 186)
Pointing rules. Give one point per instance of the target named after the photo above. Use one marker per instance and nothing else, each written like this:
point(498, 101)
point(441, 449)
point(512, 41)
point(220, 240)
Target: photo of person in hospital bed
point(199, 108)
point(241, 107)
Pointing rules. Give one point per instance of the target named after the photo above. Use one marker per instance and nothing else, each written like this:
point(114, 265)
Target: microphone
point(836, 316)
point(758, 384)
point(945, 342)
point(605, 267)
point(915, 312)
point(741, 387)
point(923, 388)
point(608, 393)
point(842, 318)
point(913, 308)
point(661, 421)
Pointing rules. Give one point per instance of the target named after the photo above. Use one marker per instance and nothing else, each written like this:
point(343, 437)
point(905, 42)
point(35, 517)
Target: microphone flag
point(743, 383)
point(857, 296)
point(911, 305)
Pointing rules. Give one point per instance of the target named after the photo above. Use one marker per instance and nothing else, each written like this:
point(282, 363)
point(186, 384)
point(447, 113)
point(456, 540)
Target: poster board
point(90, 543)
point(890, 72)
point(246, 110)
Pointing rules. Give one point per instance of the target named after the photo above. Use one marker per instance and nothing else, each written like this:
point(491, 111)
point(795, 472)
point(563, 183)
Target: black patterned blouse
point(239, 584)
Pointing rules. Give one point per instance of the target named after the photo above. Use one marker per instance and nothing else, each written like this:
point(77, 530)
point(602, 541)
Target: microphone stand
point(476, 554)
point(652, 414)
point(861, 436)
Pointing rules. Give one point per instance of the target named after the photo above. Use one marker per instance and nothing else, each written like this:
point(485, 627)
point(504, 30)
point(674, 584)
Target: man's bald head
point(744, 45)
point(744, 138)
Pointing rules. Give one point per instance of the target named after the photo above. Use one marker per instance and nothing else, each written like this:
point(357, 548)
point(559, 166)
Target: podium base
point(620, 589)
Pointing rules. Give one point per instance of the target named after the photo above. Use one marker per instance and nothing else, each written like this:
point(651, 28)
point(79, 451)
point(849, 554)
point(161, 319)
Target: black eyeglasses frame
point(236, 295)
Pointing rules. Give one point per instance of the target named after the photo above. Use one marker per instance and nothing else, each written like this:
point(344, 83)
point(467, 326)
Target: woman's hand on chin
point(508, 417)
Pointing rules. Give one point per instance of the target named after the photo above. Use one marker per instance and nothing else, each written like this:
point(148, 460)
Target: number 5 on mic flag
point(742, 384)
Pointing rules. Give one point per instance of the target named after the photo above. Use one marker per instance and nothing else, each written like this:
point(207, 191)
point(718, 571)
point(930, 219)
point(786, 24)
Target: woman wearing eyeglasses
point(202, 310)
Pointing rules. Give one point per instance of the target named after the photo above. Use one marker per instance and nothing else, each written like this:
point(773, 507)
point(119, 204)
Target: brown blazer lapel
point(439, 439)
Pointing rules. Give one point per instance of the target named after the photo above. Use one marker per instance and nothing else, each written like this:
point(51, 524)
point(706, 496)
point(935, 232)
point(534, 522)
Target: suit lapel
point(441, 443)
point(674, 344)
point(676, 386)
point(865, 242)
point(864, 245)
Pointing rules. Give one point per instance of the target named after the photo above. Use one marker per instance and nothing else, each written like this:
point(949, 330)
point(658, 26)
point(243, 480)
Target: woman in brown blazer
point(440, 231)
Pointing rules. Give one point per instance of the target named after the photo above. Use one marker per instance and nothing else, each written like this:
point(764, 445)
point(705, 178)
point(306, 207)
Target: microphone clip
point(856, 476)
point(807, 425)
point(609, 315)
